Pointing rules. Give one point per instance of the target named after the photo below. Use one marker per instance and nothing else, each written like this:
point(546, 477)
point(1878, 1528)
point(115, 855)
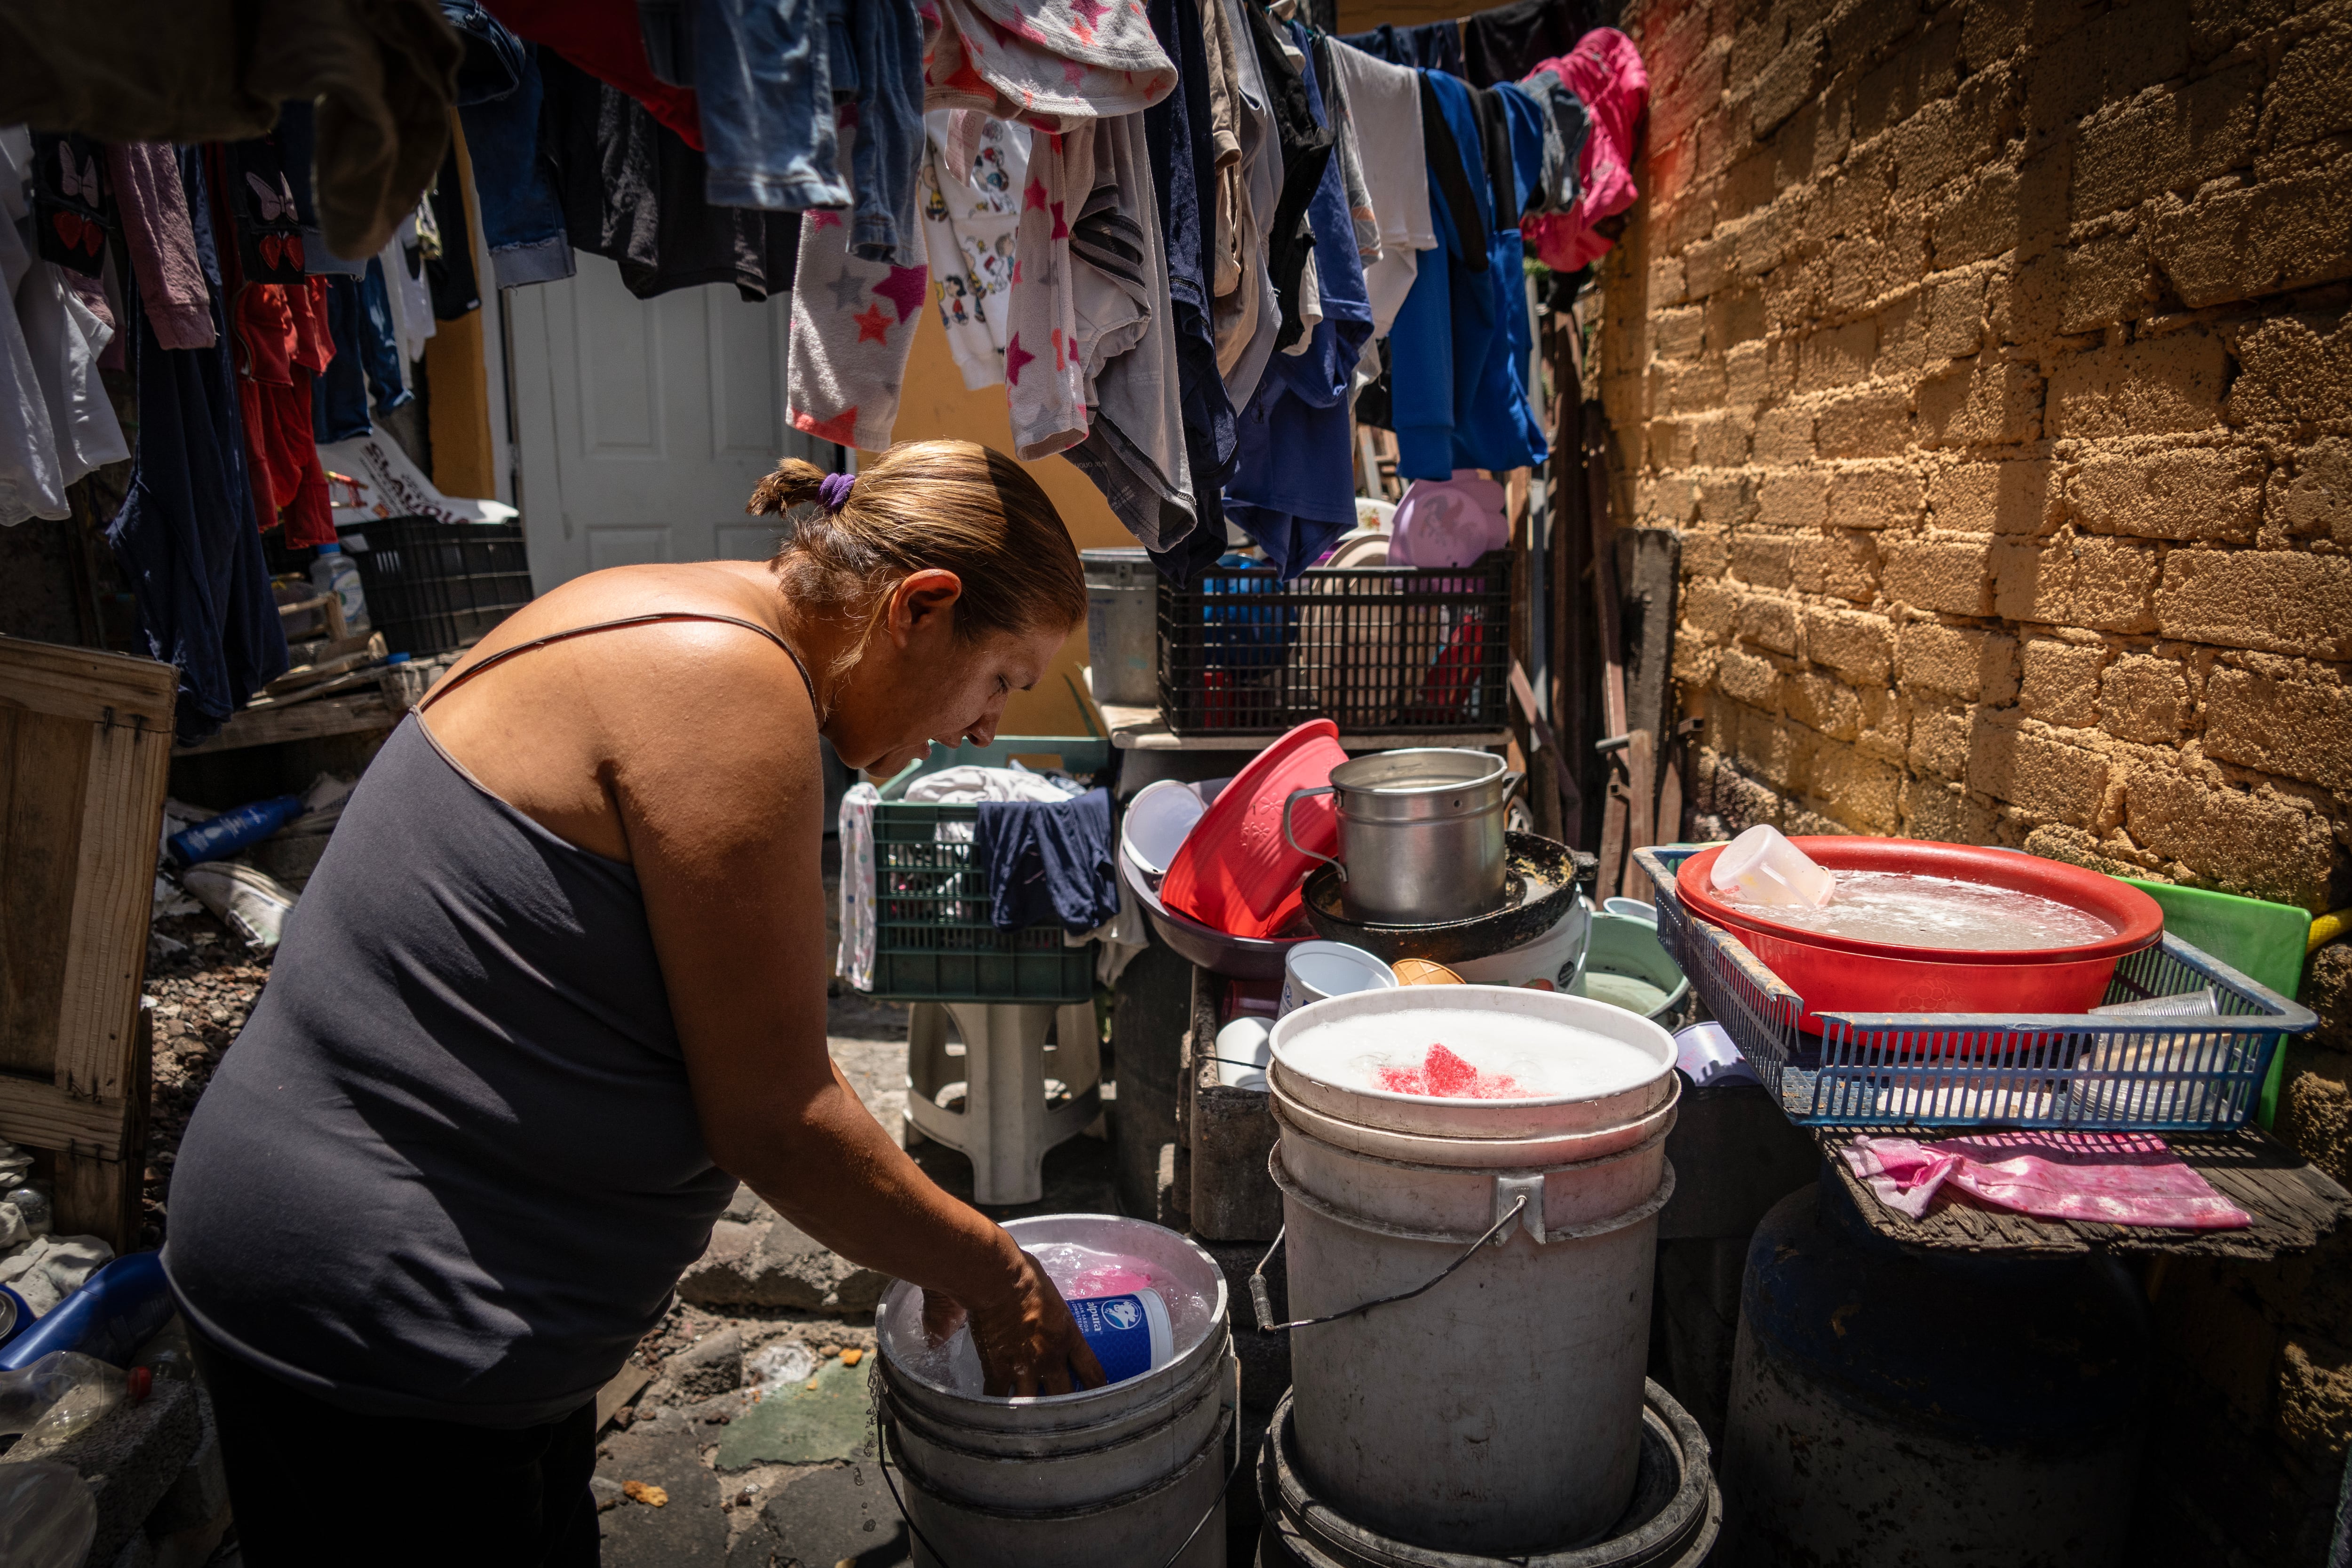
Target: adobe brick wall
point(1995, 358)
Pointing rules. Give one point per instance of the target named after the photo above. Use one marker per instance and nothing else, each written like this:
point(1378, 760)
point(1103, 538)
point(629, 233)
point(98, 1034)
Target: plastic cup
point(1763, 867)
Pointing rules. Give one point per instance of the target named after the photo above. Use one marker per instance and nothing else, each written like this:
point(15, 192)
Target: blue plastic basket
point(2052, 1069)
point(933, 939)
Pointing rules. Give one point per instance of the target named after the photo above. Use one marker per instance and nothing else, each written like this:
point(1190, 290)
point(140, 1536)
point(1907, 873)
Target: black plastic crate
point(433, 587)
point(1378, 649)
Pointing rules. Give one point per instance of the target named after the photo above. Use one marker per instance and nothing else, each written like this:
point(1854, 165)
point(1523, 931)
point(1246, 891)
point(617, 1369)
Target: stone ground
point(747, 1418)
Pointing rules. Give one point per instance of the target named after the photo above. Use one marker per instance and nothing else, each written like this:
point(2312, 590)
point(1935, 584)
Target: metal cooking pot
point(1421, 834)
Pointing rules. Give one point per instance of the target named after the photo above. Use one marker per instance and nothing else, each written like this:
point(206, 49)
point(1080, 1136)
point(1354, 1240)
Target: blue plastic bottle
point(233, 830)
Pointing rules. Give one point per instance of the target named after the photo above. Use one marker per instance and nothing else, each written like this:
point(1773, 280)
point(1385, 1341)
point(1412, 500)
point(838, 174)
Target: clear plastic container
point(1761, 866)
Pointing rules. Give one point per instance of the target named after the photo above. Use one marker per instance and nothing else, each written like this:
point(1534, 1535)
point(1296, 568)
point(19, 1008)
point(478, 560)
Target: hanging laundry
point(522, 221)
point(633, 192)
point(1605, 71)
point(1134, 450)
point(281, 342)
point(185, 536)
point(1249, 313)
point(1294, 488)
point(154, 214)
point(1044, 381)
point(493, 63)
point(72, 209)
point(1506, 43)
point(1306, 149)
point(194, 71)
point(1052, 69)
point(1458, 400)
point(1434, 45)
point(268, 228)
point(1182, 140)
point(1348, 150)
point(1566, 125)
point(1383, 105)
point(766, 94)
point(972, 210)
point(887, 41)
point(339, 410)
point(448, 250)
point(406, 288)
point(603, 40)
point(56, 421)
point(853, 326)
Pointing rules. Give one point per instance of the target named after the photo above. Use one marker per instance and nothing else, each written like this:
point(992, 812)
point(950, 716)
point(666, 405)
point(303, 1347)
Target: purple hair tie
point(833, 491)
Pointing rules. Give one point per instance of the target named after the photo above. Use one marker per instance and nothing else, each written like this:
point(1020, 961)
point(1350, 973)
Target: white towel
point(855, 963)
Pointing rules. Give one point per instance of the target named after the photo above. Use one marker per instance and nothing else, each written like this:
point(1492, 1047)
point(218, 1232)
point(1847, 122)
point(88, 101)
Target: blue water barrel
point(1939, 1410)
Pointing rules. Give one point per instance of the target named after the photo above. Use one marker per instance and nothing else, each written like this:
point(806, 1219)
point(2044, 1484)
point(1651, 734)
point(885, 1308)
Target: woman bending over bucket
point(558, 984)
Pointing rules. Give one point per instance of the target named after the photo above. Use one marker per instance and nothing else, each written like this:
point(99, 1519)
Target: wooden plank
point(1640, 820)
point(122, 818)
point(44, 1116)
point(88, 684)
point(300, 721)
point(42, 798)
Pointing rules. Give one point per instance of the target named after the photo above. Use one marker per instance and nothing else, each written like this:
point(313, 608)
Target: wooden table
point(2293, 1204)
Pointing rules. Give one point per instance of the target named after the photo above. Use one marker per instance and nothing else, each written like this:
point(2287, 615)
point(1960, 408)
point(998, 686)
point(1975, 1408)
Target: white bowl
point(1159, 819)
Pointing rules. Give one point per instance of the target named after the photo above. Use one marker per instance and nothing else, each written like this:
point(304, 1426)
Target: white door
point(642, 424)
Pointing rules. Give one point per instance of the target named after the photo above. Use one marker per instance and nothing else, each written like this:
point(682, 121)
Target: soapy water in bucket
point(1462, 1054)
point(1081, 1274)
point(1761, 869)
point(1915, 909)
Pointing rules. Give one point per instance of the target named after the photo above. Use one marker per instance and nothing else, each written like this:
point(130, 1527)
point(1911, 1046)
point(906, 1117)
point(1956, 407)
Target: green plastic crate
point(933, 940)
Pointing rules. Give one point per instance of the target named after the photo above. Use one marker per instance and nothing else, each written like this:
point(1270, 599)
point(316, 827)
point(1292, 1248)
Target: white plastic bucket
point(1119, 1474)
point(1499, 1411)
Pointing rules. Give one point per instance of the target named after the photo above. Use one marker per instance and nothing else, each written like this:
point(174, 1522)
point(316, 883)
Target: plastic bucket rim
point(1699, 899)
point(1458, 999)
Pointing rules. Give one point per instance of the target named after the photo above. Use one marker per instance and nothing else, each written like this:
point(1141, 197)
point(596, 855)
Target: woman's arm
point(721, 796)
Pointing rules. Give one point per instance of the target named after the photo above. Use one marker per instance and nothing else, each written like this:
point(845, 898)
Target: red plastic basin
point(1235, 871)
point(1839, 974)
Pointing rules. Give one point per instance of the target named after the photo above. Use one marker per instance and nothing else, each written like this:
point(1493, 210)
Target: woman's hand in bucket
point(1027, 1340)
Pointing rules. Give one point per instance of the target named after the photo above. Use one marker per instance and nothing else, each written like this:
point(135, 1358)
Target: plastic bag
point(47, 1518)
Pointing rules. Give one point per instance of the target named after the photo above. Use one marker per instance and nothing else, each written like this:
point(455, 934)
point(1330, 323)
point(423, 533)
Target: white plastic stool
point(1006, 1124)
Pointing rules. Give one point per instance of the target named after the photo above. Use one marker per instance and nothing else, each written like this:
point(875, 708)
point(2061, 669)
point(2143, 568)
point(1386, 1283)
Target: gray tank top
point(451, 1168)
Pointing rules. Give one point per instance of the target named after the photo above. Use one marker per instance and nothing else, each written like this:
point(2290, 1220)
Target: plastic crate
point(933, 940)
point(1377, 649)
point(433, 587)
point(2064, 1070)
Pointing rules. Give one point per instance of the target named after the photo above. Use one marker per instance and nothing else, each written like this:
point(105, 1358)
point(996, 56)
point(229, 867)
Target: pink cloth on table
point(1605, 71)
point(2109, 1178)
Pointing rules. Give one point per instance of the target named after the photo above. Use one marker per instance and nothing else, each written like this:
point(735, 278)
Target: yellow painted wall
point(935, 407)
point(458, 404)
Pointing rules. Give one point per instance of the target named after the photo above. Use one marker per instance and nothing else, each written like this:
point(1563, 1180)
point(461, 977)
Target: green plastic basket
point(2264, 940)
point(933, 940)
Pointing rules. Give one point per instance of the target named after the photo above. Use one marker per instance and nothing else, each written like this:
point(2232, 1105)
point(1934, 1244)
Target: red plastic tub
point(1234, 870)
point(1838, 975)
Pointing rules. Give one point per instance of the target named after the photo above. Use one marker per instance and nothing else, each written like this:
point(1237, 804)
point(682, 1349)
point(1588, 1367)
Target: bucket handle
point(1262, 1302)
point(1291, 800)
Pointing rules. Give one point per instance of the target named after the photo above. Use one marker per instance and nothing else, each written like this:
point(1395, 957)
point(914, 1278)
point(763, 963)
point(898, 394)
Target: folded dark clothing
point(1047, 861)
